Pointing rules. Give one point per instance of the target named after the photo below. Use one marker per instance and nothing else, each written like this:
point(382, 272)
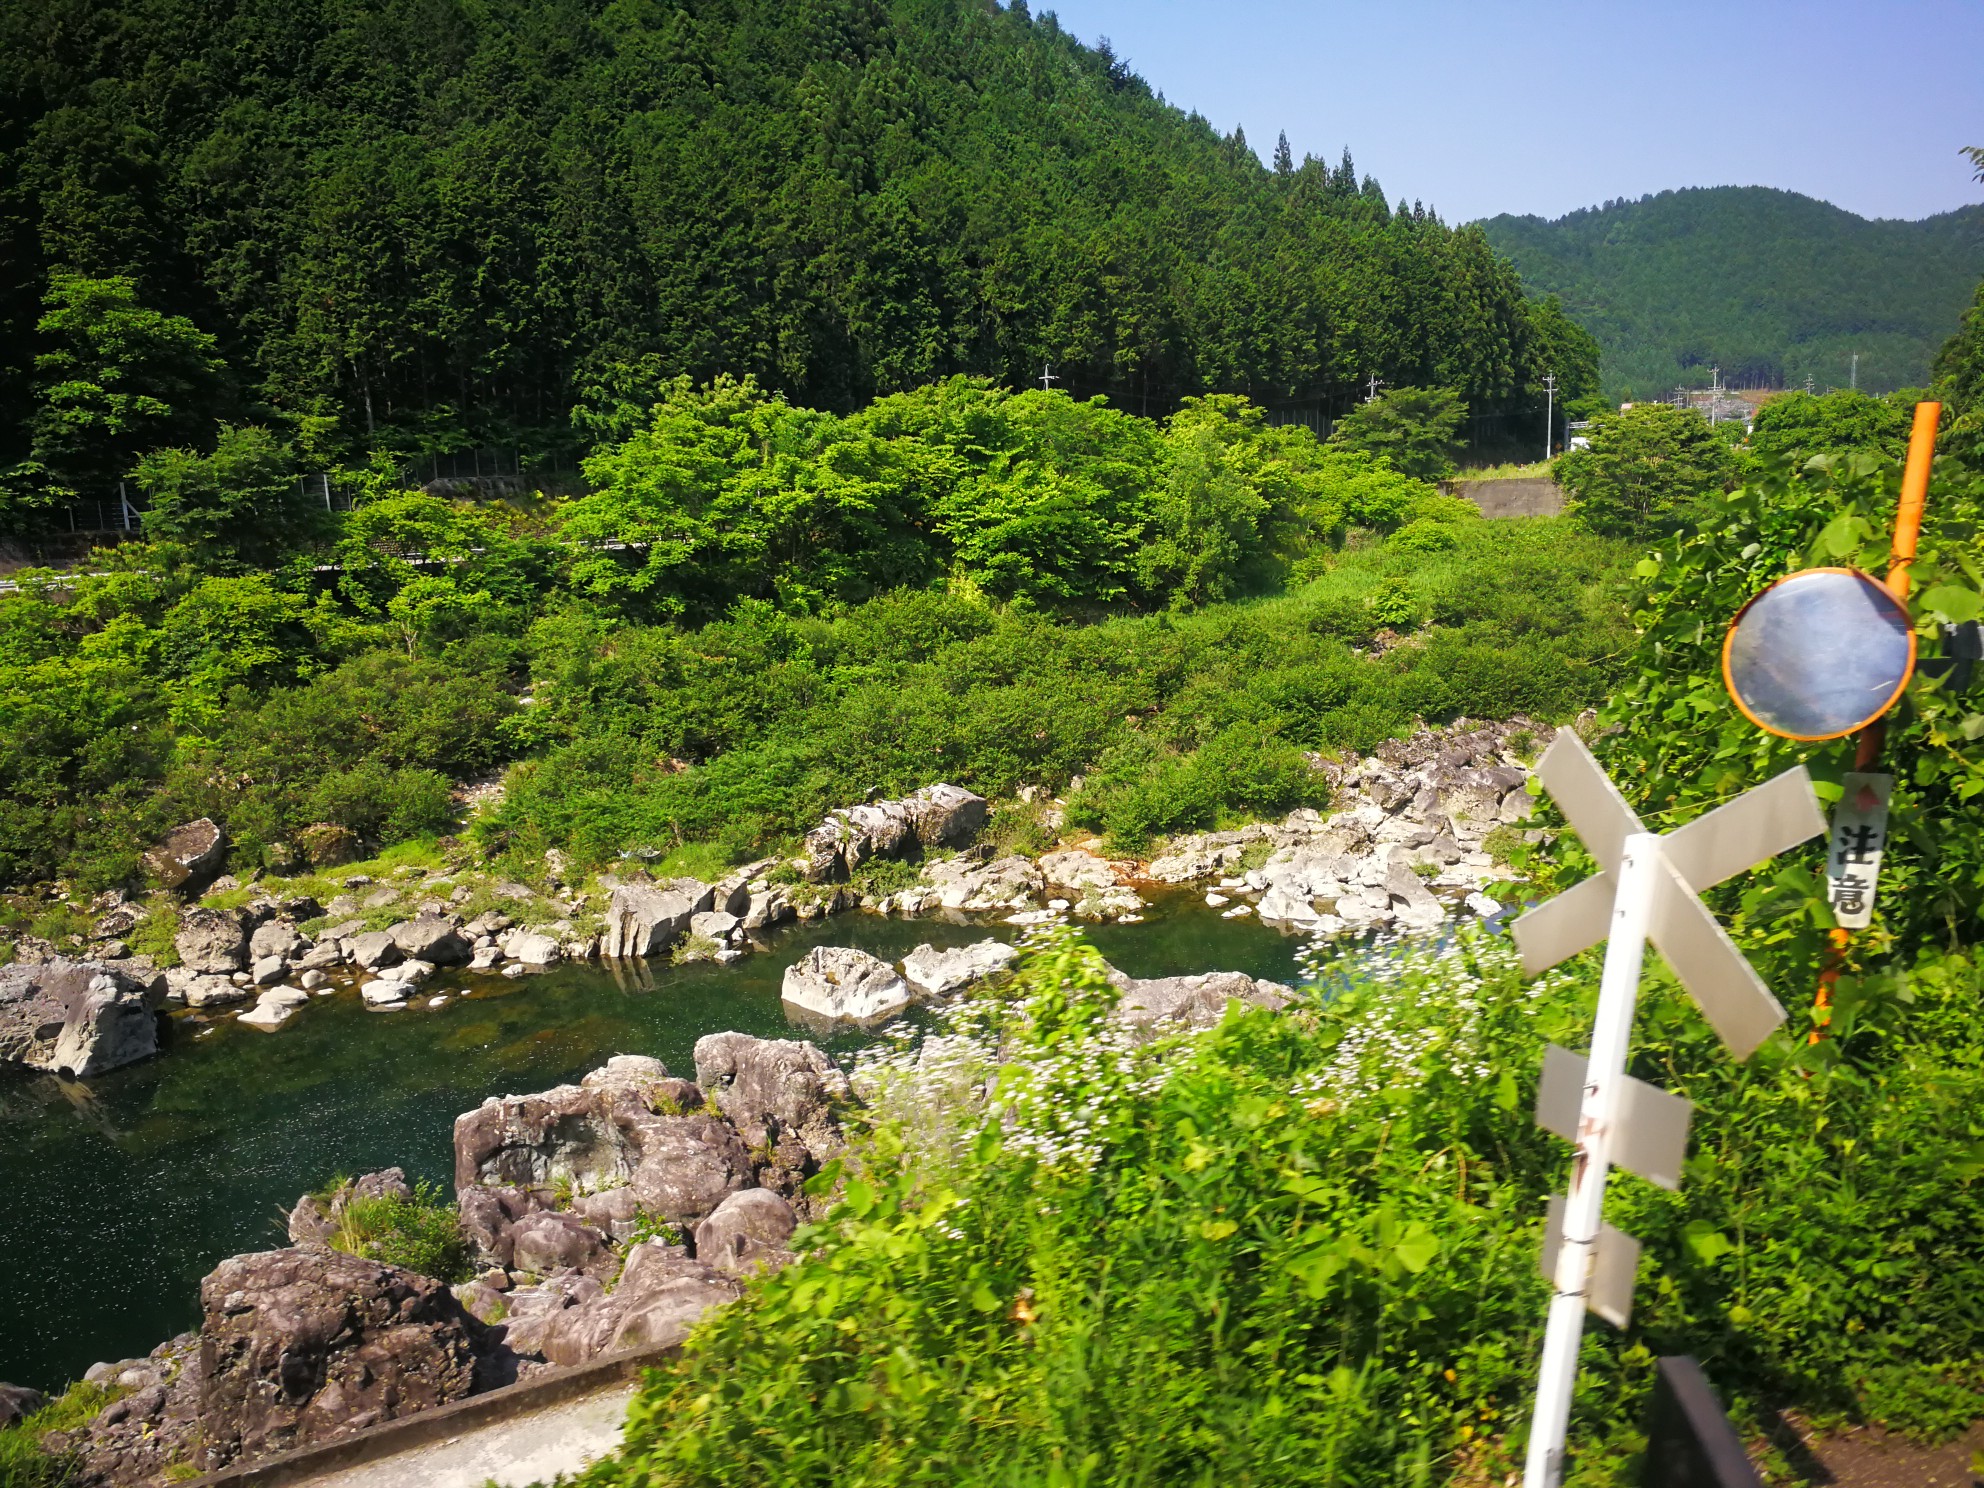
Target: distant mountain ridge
point(1769, 285)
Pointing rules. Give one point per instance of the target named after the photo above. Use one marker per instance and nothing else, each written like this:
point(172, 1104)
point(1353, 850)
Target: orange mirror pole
point(1867, 748)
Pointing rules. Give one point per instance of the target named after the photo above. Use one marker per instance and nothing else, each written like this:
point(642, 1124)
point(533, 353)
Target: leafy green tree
point(242, 502)
point(1799, 425)
point(1414, 428)
point(1960, 384)
point(1647, 469)
point(116, 378)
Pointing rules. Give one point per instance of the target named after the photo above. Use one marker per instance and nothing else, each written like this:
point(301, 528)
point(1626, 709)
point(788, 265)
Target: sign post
point(1644, 890)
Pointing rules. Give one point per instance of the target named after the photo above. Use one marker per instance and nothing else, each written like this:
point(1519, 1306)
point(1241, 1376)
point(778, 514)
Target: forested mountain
point(1769, 285)
point(426, 223)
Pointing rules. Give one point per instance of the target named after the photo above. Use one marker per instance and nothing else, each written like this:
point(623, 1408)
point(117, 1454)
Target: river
point(128, 1188)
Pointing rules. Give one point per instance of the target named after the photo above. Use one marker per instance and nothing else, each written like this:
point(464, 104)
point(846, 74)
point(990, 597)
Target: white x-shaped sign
point(1758, 824)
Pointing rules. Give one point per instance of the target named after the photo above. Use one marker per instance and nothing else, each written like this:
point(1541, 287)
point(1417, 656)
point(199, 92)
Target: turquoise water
point(123, 1191)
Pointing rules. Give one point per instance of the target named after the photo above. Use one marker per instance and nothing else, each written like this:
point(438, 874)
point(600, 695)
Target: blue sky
point(1484, 106)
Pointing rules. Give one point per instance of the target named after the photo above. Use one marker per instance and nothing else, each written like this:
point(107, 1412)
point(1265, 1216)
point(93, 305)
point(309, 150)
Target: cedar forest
point(762, 297)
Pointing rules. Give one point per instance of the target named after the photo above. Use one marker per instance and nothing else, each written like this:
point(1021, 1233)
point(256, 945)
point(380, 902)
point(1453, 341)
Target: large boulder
point(661, 1295)
point(17, 1403)
point(547, 1241)
point(839, 984)
point(783, 1096)
point(300, 1345)
point(747, 1232)
point(935, 973)
point(945, 815)
point(78, 1017)
point(643, 918)
point(1195, 1001)
point(190, 856)
point(1008, 883)
point(433, 939)
point(372, 950)
point(214, 941)
point(627, 1124)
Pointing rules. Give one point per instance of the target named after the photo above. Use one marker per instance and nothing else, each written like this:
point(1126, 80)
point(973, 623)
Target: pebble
point(1216, 900)
point(437, 1001)
point(514, 969)
point(1237, 911)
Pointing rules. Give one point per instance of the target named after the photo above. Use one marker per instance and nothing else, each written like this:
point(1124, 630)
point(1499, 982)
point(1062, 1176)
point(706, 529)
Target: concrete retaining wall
point(1527, 496)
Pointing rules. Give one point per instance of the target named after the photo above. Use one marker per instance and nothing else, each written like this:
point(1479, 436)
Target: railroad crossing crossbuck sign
point(1645, 889)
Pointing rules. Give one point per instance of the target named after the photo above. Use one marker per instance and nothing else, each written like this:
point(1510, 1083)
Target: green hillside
point(433, 223)
point(1769, 285)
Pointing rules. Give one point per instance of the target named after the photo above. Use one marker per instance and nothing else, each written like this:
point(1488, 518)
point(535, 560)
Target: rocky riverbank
point(1407, 844)
point(594, 1218)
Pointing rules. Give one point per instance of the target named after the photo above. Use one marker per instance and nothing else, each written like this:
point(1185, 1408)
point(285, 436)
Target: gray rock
point(836, 983)
point(196, 989)
point(267, 971)
point(212, 940)
point(189, 856)
point(432, 939)
point(936, 973)
point(531, 947)
point(1196, 1001)
point(372, 950)
point(642, 919)
point(321, 957)
point(767, 907)
point(1077, 870)
point(78, 1017)
point(661, 1295)
point(945, 815)
point(1008, 883)
point(747, 1232)
point(276, 938)
point(714, 924)
point(17, 1403)
point(274, 1008)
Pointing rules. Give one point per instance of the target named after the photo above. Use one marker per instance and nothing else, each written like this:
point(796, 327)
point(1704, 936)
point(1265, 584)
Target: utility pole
point(1714, 395)
point(1808, 384)
point(1854, 376)
point(1047, 376)
point(1373, 387)
point(1549, 412)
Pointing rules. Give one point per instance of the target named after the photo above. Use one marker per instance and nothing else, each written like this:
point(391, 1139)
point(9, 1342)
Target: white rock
point(1057, 905)
point(936, 973)
point(1033, 917)
point(383, 994)
point(1217, 901)
point(532, 947)
point(310, 981)
point(515, 969)
point(1482, 905)
point(837, 983)
point(1239, 911)
point(437, 1001)
point(267, 1015)
point(409, 973)
point(714, 924)
point(289, 997)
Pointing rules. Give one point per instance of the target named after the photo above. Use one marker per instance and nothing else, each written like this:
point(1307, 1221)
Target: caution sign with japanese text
point(1859, 832)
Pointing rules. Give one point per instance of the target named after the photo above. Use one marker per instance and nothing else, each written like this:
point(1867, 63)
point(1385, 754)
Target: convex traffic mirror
point(1821, 653)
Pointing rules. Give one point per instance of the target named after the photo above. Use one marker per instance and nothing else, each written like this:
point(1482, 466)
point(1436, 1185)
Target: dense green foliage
point(1796, 426)
point(1300, 1249)
point(1768, 285)
point(1960, 381)
point(1649, 468)
point(427, 225)
point(762, 612)
point(1416, 429)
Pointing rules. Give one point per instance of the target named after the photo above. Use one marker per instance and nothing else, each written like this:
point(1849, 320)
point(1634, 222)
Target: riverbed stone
point(532, 947)
point(212, 940)
point(546, 1241)
point(841, 984)
point(431, 938)
point(17, 1403)
point(644, 918)
point(278, 938)
point(1005, 884)
point(372, 950)
point(1195, 1001)
point(301, 1345)
point(78, 1017)
point(935, 973)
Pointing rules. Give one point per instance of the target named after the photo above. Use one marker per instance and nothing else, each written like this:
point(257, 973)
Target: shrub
point(422, 1234)
point(1424, 535)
